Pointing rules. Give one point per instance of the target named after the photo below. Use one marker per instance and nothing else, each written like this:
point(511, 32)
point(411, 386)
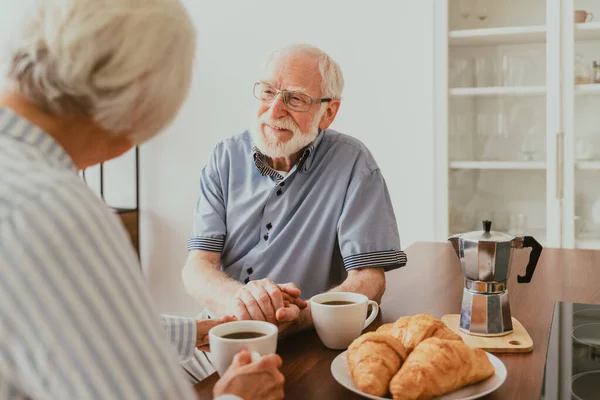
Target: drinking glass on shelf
point(528, 148)
point(512, 70)
point(583, 71)
point(580, 225)
point(492, 124)
point(501, 125)
point(460, 125)
point(500, 220)
point(485, 71)
point(479, 69)
point(466, 8)
point(483, 124)
point(505, 70)
point(460, 73)
point(524, 118)
point(458, 220)
point(584, 150)
point(481, 9)
point(516, 224)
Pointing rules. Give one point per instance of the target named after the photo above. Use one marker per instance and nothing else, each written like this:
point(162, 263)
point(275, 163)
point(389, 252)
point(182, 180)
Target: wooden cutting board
point(518, 341)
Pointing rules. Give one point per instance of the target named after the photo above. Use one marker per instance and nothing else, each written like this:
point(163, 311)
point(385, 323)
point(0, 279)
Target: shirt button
point(269, 226)
point(247, 280)
point(279, 192)
point(266, 237)
point(282, 184)
point(250, 270)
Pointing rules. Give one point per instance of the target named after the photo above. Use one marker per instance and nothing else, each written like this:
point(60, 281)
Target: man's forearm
point(206, 283)
point(367, 281)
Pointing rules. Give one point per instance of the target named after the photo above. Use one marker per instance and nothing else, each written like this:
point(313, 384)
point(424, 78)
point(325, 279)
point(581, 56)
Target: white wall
point(385, 49)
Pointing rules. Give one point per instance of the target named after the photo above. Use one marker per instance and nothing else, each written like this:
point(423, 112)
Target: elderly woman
point(89, 79)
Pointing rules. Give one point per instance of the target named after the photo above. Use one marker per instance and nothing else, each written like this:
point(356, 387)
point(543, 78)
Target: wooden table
point(432, 282)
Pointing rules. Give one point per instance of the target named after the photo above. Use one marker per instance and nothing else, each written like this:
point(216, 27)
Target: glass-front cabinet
point(517, 100)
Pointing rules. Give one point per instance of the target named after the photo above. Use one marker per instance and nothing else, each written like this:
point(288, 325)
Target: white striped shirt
point(76, 320)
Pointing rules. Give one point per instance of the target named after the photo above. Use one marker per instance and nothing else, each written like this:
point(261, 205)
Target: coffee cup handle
point(591, 17)
point(374, 312)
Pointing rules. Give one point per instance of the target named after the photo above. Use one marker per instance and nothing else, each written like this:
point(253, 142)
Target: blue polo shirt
point(331, 213)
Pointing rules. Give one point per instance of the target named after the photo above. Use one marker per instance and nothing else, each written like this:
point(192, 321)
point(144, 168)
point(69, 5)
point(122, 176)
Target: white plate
point(341, 373)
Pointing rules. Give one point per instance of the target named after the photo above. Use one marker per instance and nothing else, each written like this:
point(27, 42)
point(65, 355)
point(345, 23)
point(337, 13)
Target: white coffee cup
point(338, 325)
point(223, 349)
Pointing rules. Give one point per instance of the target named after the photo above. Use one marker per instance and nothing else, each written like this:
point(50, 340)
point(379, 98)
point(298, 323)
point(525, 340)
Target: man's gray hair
point(332, 84)
point(125, 63)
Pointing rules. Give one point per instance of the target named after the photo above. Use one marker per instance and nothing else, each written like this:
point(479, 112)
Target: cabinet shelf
point(588, 165)
point(587, 31)
point(499, 91)
point(498, 36)
point(588, 242)
point(588, 89)
point(510, 165)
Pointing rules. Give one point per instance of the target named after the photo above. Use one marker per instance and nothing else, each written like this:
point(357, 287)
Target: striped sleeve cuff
point(181, 332)
point(206, 244)
point(389, 260)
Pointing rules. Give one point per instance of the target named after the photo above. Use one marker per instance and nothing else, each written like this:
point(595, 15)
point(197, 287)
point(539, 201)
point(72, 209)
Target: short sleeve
point(209, 228)
point(367, 229)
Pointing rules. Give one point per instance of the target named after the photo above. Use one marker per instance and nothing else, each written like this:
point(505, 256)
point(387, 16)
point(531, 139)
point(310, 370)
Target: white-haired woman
point(88, 79)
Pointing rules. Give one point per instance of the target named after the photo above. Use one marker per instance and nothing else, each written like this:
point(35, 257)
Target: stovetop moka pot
point(485, 259)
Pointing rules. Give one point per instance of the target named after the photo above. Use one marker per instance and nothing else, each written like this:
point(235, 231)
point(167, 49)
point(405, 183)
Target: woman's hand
point(205, 325)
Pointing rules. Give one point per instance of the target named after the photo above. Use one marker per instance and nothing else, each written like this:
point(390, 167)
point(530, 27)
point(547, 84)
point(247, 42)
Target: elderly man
point(88, 80)
point(291, 203)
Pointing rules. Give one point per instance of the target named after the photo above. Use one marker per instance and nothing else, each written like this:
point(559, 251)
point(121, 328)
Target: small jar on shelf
point(596, 72)
point(583, 71)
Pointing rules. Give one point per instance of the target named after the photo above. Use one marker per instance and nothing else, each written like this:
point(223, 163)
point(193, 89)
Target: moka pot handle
point(534, 256)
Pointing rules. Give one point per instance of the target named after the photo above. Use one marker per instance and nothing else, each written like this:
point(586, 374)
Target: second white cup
point(340, 317)
point(228, 339)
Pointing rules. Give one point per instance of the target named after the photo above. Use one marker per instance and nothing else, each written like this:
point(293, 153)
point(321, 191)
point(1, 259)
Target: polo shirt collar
point(304, 163)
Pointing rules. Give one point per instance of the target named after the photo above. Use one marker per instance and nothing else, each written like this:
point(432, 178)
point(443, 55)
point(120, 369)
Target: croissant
point(373, 359)
point(413, 330)
point(385, 328)
point(437, 366)
point(446, 333)
point(400, 326)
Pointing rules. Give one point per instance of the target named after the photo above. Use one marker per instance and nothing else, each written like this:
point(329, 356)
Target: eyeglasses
point(295, 101)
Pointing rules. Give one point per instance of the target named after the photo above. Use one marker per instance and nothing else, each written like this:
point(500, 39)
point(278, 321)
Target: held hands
point(205, 325)
point(252, 381)
point(264, 300)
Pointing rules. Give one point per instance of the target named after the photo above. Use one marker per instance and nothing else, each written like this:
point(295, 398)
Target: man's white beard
point(268, 143)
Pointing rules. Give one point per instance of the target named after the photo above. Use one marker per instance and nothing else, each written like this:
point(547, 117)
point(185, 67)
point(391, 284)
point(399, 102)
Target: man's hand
point(205, 325)
point(260, 300)
point(252, 381)
point(293, 319)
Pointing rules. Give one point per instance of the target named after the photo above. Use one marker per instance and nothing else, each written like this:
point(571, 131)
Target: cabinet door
point(581, 103)
point(554, 124)
point(499, 106)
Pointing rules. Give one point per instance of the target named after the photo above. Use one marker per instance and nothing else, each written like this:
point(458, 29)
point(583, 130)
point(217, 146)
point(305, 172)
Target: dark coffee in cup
point(243, 335)
point(337, 303)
